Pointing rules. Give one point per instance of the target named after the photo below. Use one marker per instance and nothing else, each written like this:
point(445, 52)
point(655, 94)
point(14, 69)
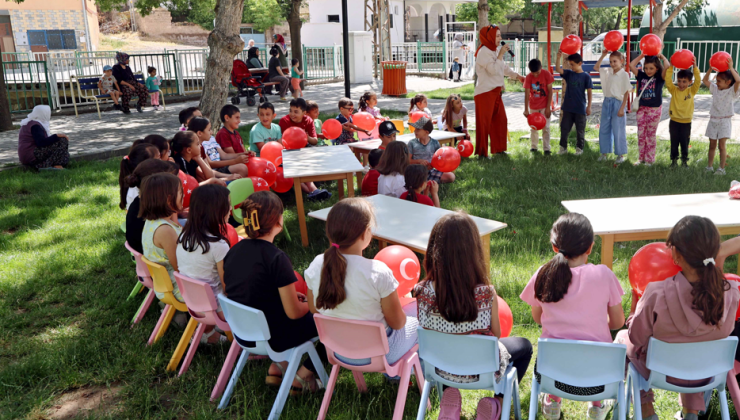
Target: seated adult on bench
point(277, 75)
point(37, 147)
point(253, 59)
point(129, 86)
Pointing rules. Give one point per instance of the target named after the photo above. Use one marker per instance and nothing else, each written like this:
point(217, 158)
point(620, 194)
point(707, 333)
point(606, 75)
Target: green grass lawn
point(65, 276)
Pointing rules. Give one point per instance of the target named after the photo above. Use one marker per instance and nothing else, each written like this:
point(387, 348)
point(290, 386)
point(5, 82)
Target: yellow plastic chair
point(399, 126)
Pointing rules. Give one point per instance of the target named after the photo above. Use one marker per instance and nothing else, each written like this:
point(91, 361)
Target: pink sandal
point(488, 409)
point(450, 406)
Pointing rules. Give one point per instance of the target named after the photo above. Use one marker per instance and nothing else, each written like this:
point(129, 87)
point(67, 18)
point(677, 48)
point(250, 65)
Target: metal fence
point(703, 50)
point(27, 84)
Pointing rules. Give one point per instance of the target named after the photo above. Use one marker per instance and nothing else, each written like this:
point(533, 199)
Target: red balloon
point(571, 44)
point(363, 120)
point(188, 185)
point(272, 151)
point(405, 266)
point(282, 184)
point(652, 262)
point(414, 117)
point(262, 168)
point(719, 61)
point(505, 317)
point(259, 184)
point(613, 41)
point(300, 284)
point(331, 129)
point(232, 236)
point(446, 159)
point(536, 121)
point(295, 138)
point(683, 59)
point(651, 45)
point(465, 148)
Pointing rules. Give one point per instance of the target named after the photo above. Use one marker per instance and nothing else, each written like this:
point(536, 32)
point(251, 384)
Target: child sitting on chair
point(422, 150)
point(370, 181)
point(109, 85)
point(416, 182)
point(391, 167)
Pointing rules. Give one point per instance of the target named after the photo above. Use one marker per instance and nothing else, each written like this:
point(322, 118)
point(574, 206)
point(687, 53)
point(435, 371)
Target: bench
point(87, 88)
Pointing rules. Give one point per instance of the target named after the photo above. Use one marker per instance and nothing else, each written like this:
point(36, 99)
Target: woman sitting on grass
point(37, 147)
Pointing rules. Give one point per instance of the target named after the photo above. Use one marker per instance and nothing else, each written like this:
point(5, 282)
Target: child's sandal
point(311, 386)
point(274, 380)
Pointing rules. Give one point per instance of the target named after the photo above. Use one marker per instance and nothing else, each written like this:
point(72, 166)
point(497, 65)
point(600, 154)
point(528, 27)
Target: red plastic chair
point(362, 340)
point(145, 279)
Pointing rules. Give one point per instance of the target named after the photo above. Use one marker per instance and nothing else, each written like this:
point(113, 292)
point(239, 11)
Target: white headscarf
point(40, 114)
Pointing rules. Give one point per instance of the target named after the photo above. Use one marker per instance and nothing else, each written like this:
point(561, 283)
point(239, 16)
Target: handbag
point(636, 107)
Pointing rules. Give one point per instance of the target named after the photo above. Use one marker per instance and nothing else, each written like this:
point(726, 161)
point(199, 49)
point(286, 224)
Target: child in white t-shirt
point(615, 82)
point(392, 166)
point(725, 92)
point(368, 285)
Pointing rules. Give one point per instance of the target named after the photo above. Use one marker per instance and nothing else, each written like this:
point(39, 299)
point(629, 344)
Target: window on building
point(333, 18)
point(53, 39)
point(391, 16)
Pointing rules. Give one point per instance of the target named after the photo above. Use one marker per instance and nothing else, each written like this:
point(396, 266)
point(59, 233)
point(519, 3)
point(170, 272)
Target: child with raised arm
point(681, 110)
point(725, 92)
point(574, 109)
point(537, 98)
point(650, 81)
point(616, 85)
point(346, 106)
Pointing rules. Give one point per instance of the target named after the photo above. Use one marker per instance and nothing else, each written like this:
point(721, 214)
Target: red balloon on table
point(536, 121)
point(651, 45)
point(613, 41)
point(300, 284)
point(719, 61)
point(232, 236)
point(416, 115)
point(446, 159)
point(404, 264)
point(505, 317)
point(262, 168)
point(653, 262)
point(682, 59)
point(295, 138)
point(259, 184)
point(465, 148)
point(331, 129)
point(188, 185)
point(282, 184)
point(571, 44)
point(273, 152)
point(364, 120)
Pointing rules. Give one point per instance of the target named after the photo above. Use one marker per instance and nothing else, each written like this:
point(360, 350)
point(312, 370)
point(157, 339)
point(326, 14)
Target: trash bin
point(394, 78)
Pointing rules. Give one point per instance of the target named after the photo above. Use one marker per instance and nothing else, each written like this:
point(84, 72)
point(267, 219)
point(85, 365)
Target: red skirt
point(490, 120)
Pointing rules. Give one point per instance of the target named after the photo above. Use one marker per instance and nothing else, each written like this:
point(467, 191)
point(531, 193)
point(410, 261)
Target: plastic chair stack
point(162, 284)
point(363, 340)
point(145, 280)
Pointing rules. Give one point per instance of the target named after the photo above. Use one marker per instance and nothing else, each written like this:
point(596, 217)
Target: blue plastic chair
point(581, 364)
point(465, 355)
point(249, 324)
point(680, 361)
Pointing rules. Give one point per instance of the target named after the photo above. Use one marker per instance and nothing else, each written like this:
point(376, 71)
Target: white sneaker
point(563, 151)
point(602, 158)
point(620, 159)
point(579, 151)
point(638, 163)
point(709, 169)
point(648, 164)
point(720, 171)
point(550, 409)
point(599, 413)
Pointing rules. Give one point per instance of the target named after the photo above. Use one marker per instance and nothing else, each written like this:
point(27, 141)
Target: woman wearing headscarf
point(129, 86)
point(253, 59)
point(490, 114)
point(458, 51)
point(37, 147)
point(282, 50)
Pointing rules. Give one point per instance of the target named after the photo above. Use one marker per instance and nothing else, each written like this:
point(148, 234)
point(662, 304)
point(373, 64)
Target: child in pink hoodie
point(695, 305)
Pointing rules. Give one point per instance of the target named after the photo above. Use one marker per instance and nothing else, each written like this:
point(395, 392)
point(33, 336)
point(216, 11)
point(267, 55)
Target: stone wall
point(24, 20)
point(158, 24)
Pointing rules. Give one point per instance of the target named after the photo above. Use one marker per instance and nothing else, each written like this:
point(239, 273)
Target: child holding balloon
point(537, 98)
point(615, 82)
point(725, 92)
point(650, 81)
point(574, 300)
point(265, 130)
point(681, 111)
point(422, 149)
point(419, 103)
point(297, 118)
point(368, 102)
point(346, 106)
point(457, 297)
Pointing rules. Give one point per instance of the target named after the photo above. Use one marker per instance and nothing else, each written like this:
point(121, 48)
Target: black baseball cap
point(387, 128)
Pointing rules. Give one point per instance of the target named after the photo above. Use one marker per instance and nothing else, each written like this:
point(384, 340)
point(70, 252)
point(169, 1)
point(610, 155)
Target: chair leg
point(621, 406)
point(506, 405)
point(293, 364)
point(534, 394)
point(234, 378)
point(424, 401)
point(723, 404)
point(329, 392)
point(162, 324)
point(225, 369)
point(517, 401)
point(135, 291)
point(734, 390)
point(636, 394)
point(420, 378)
point(359, 381)
point(143, 308)
point(403, 389)
point(182, 345)
point(317, 364)
point(193, 348)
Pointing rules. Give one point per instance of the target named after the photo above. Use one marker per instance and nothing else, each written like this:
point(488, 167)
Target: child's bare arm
point(597, 66)
point(548, 107)
point(620, 113)
point(705, 80)
point(527, 92)
point(634, 63)
point(100, 85)
point(558, 67)
point(590, 97)
point(666, 64)
point(734, 73)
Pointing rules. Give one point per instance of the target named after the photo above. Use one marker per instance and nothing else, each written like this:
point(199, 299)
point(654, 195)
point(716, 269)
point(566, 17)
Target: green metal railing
point(27, 84)
point(430, 56)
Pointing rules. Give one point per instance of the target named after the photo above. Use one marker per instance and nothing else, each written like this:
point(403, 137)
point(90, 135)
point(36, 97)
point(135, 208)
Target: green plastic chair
point(239, 190)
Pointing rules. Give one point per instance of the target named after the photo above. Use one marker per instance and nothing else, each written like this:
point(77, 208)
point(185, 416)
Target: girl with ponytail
point(416, 182)
point(574, 300)
point(138, 153)
point(134, 223)
point(695, 305)
point(344, 284)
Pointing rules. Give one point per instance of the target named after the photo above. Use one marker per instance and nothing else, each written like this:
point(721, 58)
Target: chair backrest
point(141, 269)
point(680, 361)
point(239, 190)
point(354, 340)
point(87, 87)
point(201, 302)
point(580, 364)
point(247, 323)
point(163, 284)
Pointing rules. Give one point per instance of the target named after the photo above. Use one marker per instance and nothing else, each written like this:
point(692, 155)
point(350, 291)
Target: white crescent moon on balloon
point(403, 268)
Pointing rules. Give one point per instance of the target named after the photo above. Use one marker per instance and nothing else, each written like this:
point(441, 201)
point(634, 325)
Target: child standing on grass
point(152, 84)
point(725, 92)
point(574, 300)
point(415, 179)
point(109, 85)
point(650, 81)
point(422, 149)
point(574, 109)
point(615, 82)
point(537, 98)
point(295, 78)
point(455, 117)
point(368, 102)
point(312, 110)
point(392, 166)
point(265, 130)
point(681, 111)
point(220, 161)
point(346, 106)
point(419, 103)
point(457, 297)
point(370, 181)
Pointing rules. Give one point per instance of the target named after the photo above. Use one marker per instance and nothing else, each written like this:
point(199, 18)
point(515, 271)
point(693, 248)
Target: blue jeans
point(613, 128)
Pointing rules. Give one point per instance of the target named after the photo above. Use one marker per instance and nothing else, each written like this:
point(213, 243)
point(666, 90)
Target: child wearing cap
point(422, 148)
point(109, 85)
point(387, 133)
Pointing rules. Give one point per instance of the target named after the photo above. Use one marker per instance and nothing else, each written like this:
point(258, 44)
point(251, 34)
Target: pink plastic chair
point(733, 387)
point(142, 272)
point(361, 340)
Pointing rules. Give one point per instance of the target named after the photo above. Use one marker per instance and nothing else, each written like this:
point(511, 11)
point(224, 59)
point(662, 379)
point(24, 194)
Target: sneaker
point(548, 153)
point(673, 163)
point(685, 164)
point(550, 409)
point(620, 159)
point(563, 151)
point(450, 406)
point(599, 413)
point(709, 169)
point(117, 107)
point(533, 150)
point(602, 158)
point(648, 164)
point(720, 171)
point(138, 108)
point(579, 151)
point(126, 111)
point(488, 409)
point(319, 195)
point(638, 163)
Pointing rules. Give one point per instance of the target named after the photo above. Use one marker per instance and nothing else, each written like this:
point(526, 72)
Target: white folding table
point(319, 164)
point(652, 217)
point(409, 224)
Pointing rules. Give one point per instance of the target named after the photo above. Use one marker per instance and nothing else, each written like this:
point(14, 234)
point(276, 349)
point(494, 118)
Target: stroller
point(247, 85)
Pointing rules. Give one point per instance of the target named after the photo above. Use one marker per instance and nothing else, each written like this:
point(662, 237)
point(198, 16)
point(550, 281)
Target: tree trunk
point(618, 22)
point(295, 24)
point(6, 123)
point(571, 18)
point(225, 43)
point(659, 25)
point(483, 13)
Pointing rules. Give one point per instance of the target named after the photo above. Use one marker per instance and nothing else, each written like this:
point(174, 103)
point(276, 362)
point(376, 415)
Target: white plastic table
point(652, 217)
point(409, 224)
point(319, 164)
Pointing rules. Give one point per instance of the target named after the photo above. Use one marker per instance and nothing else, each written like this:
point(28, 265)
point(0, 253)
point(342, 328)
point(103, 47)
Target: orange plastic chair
point(399, 126)
point(163, 285)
